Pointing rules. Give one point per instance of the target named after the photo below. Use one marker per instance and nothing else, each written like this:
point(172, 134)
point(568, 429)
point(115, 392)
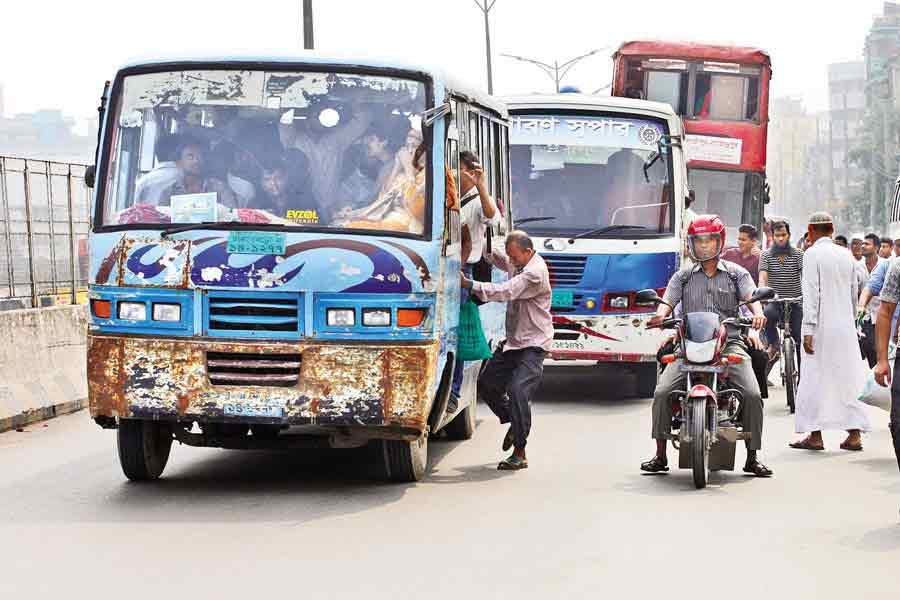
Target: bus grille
point(256, 315)
point(232, 368)
point(565, 269)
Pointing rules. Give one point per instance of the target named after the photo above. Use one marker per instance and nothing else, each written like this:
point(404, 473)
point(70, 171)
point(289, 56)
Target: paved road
point(581, 522)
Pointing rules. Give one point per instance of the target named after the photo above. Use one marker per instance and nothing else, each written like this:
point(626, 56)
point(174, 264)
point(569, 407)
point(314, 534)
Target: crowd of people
point(850, 291)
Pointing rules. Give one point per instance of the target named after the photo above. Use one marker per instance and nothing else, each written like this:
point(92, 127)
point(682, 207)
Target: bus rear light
point(102, 309)
point(410, 317)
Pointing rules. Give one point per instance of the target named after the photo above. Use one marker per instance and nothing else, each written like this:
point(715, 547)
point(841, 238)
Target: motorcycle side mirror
point(761, 293)
point(647, 297)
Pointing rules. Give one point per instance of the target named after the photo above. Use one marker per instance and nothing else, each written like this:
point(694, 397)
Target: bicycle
point(790, 366)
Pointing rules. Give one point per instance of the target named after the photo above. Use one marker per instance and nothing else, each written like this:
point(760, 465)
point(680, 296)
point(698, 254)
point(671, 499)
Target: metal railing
point(44, 223)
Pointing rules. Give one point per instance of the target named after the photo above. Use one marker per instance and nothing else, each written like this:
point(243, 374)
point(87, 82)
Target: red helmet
point(704, 227)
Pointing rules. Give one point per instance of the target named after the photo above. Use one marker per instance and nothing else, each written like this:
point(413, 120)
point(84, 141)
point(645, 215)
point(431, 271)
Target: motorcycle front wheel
point(699, 444)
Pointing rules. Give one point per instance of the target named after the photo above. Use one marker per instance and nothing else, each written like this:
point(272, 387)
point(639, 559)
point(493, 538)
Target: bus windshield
point(297, 149)
point(574, 174)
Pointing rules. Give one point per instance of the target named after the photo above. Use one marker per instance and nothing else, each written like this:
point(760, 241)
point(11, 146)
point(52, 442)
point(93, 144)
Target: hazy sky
point(58, 54)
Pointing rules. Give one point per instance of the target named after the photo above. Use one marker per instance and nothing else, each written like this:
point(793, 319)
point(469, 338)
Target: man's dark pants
point(741, 377)
point(895, 409)
point(774, 314)
point(507, 385)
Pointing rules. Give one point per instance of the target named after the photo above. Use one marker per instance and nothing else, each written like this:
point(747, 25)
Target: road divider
point(42, 364)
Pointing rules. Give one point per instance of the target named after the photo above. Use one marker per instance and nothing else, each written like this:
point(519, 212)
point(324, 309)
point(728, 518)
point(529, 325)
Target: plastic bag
point(472, 343)
point(872, 393)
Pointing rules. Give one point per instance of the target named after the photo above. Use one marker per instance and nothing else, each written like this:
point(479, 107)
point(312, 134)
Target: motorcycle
point(707, 412)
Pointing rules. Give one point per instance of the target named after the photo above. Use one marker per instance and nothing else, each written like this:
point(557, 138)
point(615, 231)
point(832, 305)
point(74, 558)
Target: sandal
point(846, 445)
point(757, 468)
point(656, 465)
point(513, 463)
point(805, 444)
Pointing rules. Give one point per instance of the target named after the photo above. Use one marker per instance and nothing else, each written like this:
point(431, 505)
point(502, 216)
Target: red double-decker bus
point(722, 94)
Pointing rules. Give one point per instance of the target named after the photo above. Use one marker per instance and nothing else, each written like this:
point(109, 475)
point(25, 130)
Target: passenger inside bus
point(285, 195)
point(401, 204)
point(630, 194)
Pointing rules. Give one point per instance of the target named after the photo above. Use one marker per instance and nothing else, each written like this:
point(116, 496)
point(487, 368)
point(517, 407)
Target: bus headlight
point(341, 317)
point(166, 312)
point(376, 317)
point(619, 302)
point(132, 311)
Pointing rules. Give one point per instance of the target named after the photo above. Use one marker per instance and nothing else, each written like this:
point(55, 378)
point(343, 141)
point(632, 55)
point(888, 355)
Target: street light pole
point(307, 25)
point(556, 71)
point(485, 6)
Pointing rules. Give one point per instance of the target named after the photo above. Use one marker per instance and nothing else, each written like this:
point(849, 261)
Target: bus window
point(669, 87)
point(719, 193)
point(726, 97)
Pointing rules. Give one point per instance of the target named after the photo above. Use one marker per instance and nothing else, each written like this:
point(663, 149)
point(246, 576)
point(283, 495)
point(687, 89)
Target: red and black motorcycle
point(707, 412)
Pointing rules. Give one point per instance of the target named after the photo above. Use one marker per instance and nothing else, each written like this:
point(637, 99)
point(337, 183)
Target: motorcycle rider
point(710, 285)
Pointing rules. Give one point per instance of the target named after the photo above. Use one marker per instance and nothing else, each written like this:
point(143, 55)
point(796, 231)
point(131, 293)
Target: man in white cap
point(832, 376)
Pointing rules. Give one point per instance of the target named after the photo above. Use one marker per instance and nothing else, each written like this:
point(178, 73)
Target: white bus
point(600, 183)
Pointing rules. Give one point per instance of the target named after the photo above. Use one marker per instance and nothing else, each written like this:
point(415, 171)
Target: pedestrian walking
point(514, 373)
point(827, 397)
point(890, 297)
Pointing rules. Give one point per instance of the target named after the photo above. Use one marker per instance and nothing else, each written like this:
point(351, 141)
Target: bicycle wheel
point(791, 379)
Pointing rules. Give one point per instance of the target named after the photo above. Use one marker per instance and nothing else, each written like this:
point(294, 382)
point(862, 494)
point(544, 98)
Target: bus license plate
point(562, 298)
point(256, 242)
point(246, 409)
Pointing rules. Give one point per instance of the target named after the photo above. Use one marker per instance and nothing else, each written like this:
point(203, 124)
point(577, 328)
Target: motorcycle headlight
point(132, 311)
point(341, 317)
point(166, 312)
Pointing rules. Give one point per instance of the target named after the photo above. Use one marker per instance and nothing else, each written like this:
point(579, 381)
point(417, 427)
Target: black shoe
point(754, 467)
point(656, 465)
point(508, 439)
point(452, 403)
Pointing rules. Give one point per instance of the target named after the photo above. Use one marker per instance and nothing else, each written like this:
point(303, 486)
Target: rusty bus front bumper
point(387, 387)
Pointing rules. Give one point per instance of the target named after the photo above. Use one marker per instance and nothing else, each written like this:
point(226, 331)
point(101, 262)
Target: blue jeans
point(464, 295)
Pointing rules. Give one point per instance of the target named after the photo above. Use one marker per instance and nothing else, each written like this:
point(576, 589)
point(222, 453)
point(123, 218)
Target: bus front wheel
point(405, 462)
point(143, 448)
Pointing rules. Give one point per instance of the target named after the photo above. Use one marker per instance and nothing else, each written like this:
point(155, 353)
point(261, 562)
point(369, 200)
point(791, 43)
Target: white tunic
point(831, 379)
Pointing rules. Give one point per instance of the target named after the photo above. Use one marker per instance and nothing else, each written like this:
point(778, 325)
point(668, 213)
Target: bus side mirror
point(646, 297)
point(90, 174)
point(689, 199)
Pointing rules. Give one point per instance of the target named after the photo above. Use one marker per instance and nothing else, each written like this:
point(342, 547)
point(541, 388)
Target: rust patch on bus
point(338, 384)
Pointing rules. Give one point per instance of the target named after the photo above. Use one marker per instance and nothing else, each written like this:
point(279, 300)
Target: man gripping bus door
point(514, 373)
point(710, 285)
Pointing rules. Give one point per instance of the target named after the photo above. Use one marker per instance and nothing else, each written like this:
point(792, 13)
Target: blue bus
point(600, 184)
point(275, 256)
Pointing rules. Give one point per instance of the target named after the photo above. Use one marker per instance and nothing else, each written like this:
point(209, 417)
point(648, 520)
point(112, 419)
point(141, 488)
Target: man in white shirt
point(477, 212)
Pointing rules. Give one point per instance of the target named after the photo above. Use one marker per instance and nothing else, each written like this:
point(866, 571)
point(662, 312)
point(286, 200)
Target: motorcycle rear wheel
point(699, 444)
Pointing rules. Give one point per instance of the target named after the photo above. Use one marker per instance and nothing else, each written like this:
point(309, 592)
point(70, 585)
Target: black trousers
point(895, 409)
point(507, 385)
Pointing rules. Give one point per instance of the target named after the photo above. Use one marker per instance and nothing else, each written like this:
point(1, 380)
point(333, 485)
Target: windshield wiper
point(606, 229)
point(214, 225)
point(533, 220)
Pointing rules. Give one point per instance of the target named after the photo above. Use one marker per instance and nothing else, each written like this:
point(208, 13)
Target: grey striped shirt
point(720, 294)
